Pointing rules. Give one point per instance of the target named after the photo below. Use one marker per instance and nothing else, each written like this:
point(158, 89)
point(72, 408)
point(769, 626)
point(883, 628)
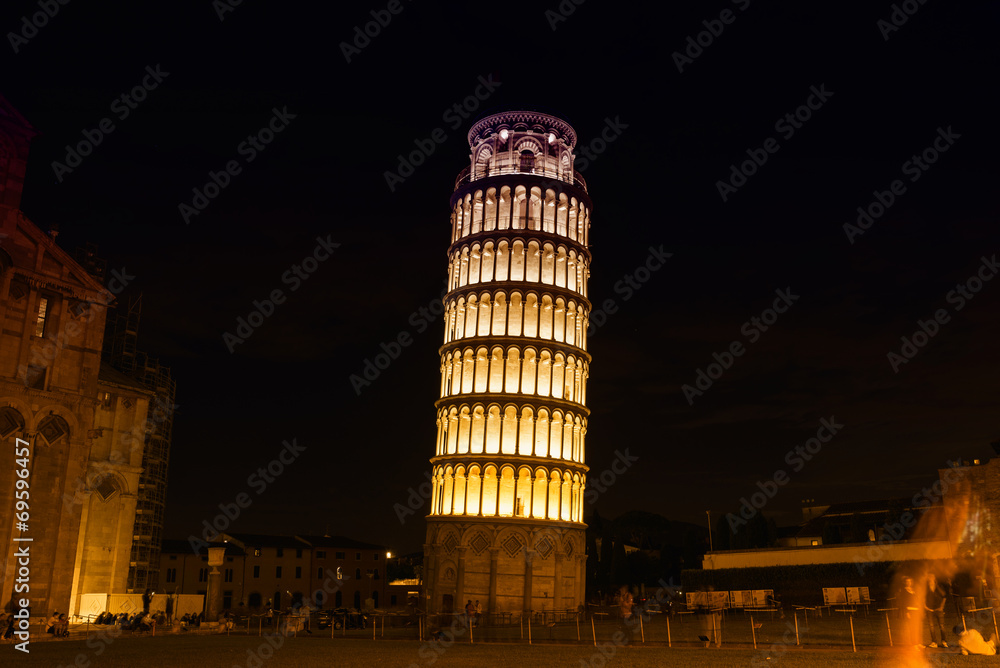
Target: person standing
point(910, 611)
point(934, 602)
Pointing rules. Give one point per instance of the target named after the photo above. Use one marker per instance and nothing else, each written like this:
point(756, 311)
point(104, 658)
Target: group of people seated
point(140, 621)
point(191, 619)
point(57, 625)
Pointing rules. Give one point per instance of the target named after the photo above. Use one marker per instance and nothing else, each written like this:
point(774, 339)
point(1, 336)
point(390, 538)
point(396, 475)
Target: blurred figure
point(62, 627)
point(910, 609)
point(972, 642)
point(934, 602)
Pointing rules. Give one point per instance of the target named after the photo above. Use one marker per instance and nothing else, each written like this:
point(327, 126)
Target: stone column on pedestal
point(460, 583)
point(557, 580)
point(216, 556)
point(529, 557)
point(430, 578)
point(492, 603)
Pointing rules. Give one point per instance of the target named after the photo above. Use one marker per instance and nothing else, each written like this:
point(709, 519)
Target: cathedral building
point(81, 424)
point(506, 522)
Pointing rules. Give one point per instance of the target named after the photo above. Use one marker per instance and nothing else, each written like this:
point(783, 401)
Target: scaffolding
point(121, 352)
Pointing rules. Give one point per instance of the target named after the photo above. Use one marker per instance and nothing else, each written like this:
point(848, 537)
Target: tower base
point(511, 566)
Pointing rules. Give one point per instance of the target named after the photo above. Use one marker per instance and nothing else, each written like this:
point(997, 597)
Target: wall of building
point(829, 554)
point(317, 579)
point(108, 493)
point(48, 391)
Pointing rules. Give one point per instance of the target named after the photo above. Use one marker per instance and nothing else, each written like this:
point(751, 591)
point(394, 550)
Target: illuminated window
point(815, 542)
point(43, 309)
point(256, 552)
point(340, 574)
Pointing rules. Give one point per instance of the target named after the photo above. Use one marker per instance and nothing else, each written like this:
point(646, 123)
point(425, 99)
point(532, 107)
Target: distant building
point(283, 571)
point(885, 530)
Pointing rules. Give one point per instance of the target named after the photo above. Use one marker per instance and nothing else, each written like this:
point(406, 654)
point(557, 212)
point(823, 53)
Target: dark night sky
point(654, 185)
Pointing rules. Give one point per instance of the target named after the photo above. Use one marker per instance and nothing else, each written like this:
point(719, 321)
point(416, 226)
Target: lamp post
point(711, 547)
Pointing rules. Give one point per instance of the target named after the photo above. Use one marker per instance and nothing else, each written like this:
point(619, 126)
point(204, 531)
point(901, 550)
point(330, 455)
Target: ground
point(207, 651)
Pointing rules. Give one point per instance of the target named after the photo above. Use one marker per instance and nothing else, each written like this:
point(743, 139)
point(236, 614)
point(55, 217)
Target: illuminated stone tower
point(506, 522)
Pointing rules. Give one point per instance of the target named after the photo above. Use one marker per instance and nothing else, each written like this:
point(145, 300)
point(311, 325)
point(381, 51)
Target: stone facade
point(78, 419)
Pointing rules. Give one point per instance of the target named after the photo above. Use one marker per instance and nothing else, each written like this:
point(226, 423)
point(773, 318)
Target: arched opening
point(10, 422)
point(527, 161)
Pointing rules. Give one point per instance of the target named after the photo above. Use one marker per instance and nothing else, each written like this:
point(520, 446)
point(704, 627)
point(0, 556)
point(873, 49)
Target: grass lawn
point(203, 651)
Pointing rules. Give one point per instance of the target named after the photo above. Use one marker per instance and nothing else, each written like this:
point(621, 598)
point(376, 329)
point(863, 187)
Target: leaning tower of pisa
point(506, 521)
